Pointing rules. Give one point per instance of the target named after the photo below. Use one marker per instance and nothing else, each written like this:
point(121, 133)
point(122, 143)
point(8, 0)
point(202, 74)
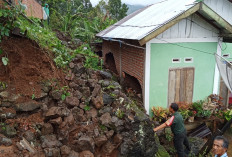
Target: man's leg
point(178, 144)
point(186, 143)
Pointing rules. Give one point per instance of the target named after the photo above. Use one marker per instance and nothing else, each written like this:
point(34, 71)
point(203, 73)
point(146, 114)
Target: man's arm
point(167, 123)
point(160, 127)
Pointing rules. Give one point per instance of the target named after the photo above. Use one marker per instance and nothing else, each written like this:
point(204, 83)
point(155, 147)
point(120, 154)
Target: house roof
point(145, 24)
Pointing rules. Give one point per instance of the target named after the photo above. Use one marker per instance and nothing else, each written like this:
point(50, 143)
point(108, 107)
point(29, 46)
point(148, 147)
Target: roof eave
point(203, 9)
point(217, 18)
point(170, 24)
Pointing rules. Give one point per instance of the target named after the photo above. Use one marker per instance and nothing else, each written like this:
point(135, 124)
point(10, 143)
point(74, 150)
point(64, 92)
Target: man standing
point(176, 123)
point(220, 146)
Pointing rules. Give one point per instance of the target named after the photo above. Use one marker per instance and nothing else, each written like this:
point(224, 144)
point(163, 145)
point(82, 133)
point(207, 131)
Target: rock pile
point(90, 117)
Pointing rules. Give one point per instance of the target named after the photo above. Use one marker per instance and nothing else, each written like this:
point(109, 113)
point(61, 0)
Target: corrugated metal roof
point(141, 23)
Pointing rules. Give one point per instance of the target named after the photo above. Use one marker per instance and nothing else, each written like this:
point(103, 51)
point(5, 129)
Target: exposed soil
point(28, 66)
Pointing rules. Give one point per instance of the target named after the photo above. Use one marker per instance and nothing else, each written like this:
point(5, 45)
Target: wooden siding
point(222, 8)
point(191, 27)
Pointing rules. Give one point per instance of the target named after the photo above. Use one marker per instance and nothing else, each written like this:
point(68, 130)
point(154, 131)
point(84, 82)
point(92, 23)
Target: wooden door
point(180, 85)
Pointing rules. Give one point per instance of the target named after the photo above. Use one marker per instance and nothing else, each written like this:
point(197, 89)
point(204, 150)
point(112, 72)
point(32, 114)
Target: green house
point(169, 48)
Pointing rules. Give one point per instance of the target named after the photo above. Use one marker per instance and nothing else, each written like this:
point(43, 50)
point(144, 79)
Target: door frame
point(176, 68)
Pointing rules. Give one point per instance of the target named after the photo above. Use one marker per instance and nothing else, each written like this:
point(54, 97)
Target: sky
point(132, 2)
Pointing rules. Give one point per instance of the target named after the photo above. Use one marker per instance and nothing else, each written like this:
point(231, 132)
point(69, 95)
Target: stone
point(96, 132)
point(108, 148)
point(74, 154)
point(109, 134)
point(107, 99)
point(56, 121)
point(84, 143)
point(92, 82)
point(56, 94)
point(47, 128)
point(106, 75)
point(79, 69)
point(105, 119)
point(52, 152)
point(99, 141)
point(119, 123)
point(105, 83)
point(77, 94)
point(98, 102)
point(8, 97)
point(65, 150)
point(8, 113)
point(73, 85)
point(72, 101)
point(71, 65)
point(5, 141)
point(85, 91)
point(50, 141)
point(105, 109)
point(92, 113)
point(57, 112)
point(118, 139)
point(27, 106)
point(86, 154)
point(29, 136)
point(96, 90)
point(80, 82)
point(10, 131)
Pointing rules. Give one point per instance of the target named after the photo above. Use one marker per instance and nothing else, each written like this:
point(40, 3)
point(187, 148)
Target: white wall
point(191, 27)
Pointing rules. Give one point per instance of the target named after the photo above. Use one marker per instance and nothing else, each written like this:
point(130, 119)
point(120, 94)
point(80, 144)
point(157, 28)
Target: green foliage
point(117, 9)
point(91, 59)
point(184, 113)
point(87, 108)
point(5, 61)
point(228, 114)
point(3, 85)
point(119, 113)
point(103, 127)
point(168, 134)
point(65, 92)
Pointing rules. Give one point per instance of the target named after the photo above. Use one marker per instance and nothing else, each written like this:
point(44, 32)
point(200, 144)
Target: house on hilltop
point(168, 48)
point(33, 8)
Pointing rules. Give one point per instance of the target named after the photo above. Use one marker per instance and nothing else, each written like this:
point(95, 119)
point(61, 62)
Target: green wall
point(161, 61)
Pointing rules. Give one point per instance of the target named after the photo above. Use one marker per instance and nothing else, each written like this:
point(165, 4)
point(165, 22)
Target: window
point(227, 55)
point(188, 60)
point(176, 60)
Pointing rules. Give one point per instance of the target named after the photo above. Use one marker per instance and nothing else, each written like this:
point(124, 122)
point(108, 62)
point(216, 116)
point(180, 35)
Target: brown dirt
point(28, 66)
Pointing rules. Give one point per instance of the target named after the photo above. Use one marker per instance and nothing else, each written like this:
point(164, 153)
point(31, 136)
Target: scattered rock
point(105, 119)
point(65, 150)
point(10, 131)
point(98, 102)
point(27, 106)
point(84, 143)
point(47, 129)
point(52, 152)
point(99, 141)
point(74, 154)
point(86, 154)
point(50, 141)
point(5, 141)
point(106, 75)
point(107, 99)
point(72, 101)
point(29, 136)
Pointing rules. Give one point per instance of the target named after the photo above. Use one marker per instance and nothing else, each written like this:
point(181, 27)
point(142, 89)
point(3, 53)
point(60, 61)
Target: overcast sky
point(141, 2)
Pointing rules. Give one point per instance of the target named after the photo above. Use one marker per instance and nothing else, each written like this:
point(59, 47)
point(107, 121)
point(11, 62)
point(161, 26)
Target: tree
point(116, 9)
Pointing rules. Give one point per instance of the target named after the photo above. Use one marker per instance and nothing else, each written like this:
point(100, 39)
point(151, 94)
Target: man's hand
point(155, 129)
